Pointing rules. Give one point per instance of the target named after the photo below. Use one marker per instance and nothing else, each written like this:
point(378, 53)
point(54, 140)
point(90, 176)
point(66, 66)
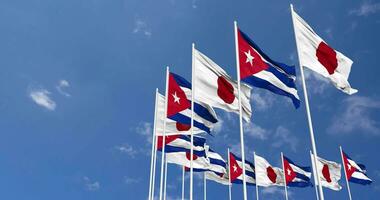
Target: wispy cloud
point(275, 191)
point(356, 116)
point(62, 85)
point(42, 98)
point(366, 8)
point(142, 27)
point(146, 130)
point(130, 180)
point(91, 185)
point(127, 149)
point(283, 136)
point(316, 83)
point(262, 100)
point(256, 131)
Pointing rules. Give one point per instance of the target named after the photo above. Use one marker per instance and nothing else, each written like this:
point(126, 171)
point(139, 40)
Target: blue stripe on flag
point(187, 120)
point(257, 82)
point(360, 181)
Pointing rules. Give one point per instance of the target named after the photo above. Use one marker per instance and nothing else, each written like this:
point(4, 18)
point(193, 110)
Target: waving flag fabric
point(177, 150)
point(172, 127)
point(355, 173)
point(317, 55)
point(179, 107)
point(236, 171)
point(266, 174)
point(218, 167)
point(295, 175)
point(258, 70)
point(216, 88)
point(329, 173)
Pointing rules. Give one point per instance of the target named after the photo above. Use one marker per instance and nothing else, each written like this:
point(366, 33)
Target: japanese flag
point(315, 54)
point(266, 174)
point(329, 173)
point(217, 89)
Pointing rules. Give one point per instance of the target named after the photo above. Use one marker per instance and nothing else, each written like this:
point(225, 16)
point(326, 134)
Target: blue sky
point(78, 78)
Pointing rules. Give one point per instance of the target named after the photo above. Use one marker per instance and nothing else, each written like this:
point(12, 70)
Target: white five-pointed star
point(289, 172)
point(349, 166)
point(176, 98)
point(249, 57)
point(235, 168)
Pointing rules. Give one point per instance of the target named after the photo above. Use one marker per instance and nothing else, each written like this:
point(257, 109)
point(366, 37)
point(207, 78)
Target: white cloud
point(91, 185)
point(146, 130)
point(62, 84)
point(262, 100)
point(366, 8)
point(127, 149)
point(129, 180)
point(142, 27)
point(283, 137)
point(256, 131)
point(218, 126)
point(41, 97)
point(315, 83)
point(275, 191)
point(356, 116)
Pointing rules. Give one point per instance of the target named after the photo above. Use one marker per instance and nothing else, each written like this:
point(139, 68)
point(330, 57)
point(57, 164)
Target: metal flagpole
point(163, 134)
point(345, 173)
point(183, 182)
point(166, 177)
point(152, 161)
point(229, 175)
point(240, 112)
point(283, 168)
point(314, 167)
point(204, 186)
point(307, 108)
point(154, 166)
point(192, 121)
point(257, 187)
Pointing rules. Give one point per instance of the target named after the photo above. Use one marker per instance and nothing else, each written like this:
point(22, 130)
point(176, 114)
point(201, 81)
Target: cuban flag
point(236, 171)
point(295, 175)
point(355, 173)
point(258, 70)
point(179, 107)
point(178, 151)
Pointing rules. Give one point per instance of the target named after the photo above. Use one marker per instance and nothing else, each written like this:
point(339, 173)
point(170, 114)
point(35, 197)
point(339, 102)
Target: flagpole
point(151, 184)
point(283, 168)
point(204, 186)
point(257, 187)
point(314, 175)
point(154, 165)
point(240, 112)
point(192, 120)
point(166, 177)
point(183, 182)
point(307, 109)
point(345, 173)
point(229, 175)
point(163, 134)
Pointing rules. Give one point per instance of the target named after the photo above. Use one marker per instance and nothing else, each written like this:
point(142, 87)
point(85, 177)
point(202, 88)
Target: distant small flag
point(216, 88)
point(236, 170)
point(329, 173)
point(218, 167)
point(266, 174)
point(179, 107)
point(295, 175)
point(178, 147)
point(317, 55)
point(258, 70)
point(355, 173)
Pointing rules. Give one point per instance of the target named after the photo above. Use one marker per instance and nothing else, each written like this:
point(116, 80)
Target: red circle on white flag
point(225, 90)
point(327, 57)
